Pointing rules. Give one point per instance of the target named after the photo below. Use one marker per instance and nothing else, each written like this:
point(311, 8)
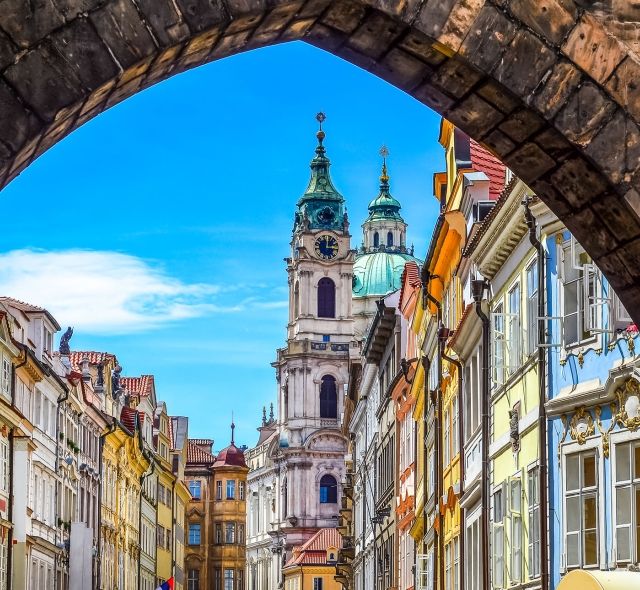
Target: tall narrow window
point(328, 490)
point(534, 522)
point(193, 580)
point(218, 490)
point(515, 509)
point(194, 533)
point(581, 509)
point(326, 298)
point(627, 502)
point(231, 489)
point(328, 397)
point(390, 239)
point(228, 579)
point(230, 532)
point(296, 300)
point(376, 239)
point(513, 326)
point(498, 539)
point(532, 307)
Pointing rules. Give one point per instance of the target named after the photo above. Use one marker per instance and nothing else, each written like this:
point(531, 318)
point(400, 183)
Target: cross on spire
point(384, 152)
point(233, 427)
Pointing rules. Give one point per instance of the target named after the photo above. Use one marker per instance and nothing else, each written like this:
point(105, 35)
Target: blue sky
point(158, 229)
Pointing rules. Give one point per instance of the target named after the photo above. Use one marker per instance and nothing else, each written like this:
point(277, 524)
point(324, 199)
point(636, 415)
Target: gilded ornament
point(605, 433)
point(631, 344)
point(628, 395)
point(581, 426)
point(563, 417)
point(581, 359)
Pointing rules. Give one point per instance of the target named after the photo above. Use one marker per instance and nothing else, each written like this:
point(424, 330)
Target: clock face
point(326, 247)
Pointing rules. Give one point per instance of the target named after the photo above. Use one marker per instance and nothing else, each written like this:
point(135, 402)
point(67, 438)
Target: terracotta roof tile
point(141, 386)
point(410, 276)
point(314, 551)
point(197, 455)
point(128, 418)
point(25, 307)
point(232, 455)
point(94, 357)
point(484, 161)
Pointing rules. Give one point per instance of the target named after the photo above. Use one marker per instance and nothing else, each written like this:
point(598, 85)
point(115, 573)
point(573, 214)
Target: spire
point(264, 415)
point(271, 418)
point(233, 427)
point(384, 206)
point(321, 205)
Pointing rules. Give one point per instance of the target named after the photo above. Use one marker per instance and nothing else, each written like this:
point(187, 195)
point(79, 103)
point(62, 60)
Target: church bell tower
point(312, 369)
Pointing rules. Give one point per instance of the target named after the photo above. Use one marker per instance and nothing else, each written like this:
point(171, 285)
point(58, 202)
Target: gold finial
point(384, 152)
point(320, 117)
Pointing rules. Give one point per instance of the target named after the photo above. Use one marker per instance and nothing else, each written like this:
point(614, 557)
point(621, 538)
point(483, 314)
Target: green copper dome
point(379, 273)
point(321, 206)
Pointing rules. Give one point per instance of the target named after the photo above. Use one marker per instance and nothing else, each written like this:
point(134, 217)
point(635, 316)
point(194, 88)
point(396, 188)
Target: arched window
point(376, 239)
point(326, 298)
point(328, 490)
point(390, 239)
point(328, 397)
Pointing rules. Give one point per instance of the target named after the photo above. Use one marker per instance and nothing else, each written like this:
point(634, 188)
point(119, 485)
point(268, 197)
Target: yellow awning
point(599, 580)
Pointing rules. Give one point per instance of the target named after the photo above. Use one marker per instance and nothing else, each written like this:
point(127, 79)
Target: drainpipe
point(477, 288)
point(437, 401)
point(152, 466)
point(103, 436)
point(458, 366)
point(11, 494)
point(63, 397)
point(542, 391)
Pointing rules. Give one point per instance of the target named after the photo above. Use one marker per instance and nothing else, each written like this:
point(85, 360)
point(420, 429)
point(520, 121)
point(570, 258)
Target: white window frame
point(498, 541)
point(499, 346)
point(516, 566)
point(620, 439)
point(570, 450)
point(514, 344)
point(533, 510)
point(531, 280)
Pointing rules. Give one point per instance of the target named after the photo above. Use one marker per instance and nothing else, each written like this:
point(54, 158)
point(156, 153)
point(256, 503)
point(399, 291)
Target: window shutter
point(595, 299)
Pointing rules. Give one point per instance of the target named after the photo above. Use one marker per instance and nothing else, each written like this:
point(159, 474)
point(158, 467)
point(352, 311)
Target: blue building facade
point(593, 411)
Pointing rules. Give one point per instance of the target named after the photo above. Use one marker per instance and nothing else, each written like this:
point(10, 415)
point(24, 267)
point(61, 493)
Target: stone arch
point(548, 85)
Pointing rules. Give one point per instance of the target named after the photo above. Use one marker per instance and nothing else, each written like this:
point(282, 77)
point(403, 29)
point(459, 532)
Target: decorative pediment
point(327, 440)
point(194, 512)
point(581, 426)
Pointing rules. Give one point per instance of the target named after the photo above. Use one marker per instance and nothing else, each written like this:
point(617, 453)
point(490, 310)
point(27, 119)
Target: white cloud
point(104, 292)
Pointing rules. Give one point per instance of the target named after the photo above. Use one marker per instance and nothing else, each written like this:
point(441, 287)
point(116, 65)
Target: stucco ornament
point(581, 426)
point(628, 396)
point(605, 433)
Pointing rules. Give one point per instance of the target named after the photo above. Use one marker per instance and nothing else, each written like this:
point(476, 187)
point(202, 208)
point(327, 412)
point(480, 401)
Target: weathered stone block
point(527, 63)
point(521, 125)
point(422, 47)
point(554, 144)
point(499, 97)
point(374, 36)
point(345, 16)
point(84, 53)
point(616, 272)
point(624, 85)
point(455, 78)
point(28, 22)
point(617, 148)
point(630, 255)
point(230, 44)
point(551, 18)
point(313, 9)
point(402, 70)
point(202, 14)
point(274, 22)
point(325, 37)
point(488, 38)
point(529, 162)
point(297, 29)
point(578, 182)
point(7, 51)
point(590, 232)
point(166, 22)
point(553, 199)
point(475, 116)
point(585, 113)
point(17, 123)
point(593, 49)
point(404, 9)
point(120, 27)
point(448, 21)
point(618, 216)
point(553, 92)
point(46, 81)
point(499, 143)
point(433, 98)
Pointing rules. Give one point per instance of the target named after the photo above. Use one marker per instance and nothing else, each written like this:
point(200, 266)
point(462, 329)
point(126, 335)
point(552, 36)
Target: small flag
point(168, 585)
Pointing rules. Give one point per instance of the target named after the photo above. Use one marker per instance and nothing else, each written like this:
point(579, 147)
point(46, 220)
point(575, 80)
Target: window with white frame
point(454, 425)
point(627, 502)
point(424, 571)
point(515, 513)
point(514, 333)
point(577, 290)
point(5, 376)
point(497, 546)
point(532, 308)
point(473, 562)
point(456, 563)
point(431, 470)
point(471, 384)
point(4, 555)
point(533, 485)
point(581, 509)
point(448, 566)
point(4, 464)
point(447, 438)
point(498, 349)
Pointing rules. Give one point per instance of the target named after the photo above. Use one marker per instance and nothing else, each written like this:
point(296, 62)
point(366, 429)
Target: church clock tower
point(312, 370)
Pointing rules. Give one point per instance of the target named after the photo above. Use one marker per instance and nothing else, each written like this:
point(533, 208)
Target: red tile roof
point(231, 456)
point(95, 358)
point(484, 161)
point(410, 276)
point(141, 386)
point(25, 307)
point(197, 455)
point(314, 551)
point(128, 418)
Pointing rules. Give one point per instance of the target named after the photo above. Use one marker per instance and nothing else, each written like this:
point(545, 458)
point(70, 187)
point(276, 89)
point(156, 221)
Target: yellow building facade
point(313, 565)
point(165, 546)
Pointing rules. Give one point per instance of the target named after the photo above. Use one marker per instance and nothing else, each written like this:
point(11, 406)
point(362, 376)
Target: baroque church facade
point(333, 289)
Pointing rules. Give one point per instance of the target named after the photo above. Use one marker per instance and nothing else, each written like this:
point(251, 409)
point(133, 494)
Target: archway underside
point(549, 85)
